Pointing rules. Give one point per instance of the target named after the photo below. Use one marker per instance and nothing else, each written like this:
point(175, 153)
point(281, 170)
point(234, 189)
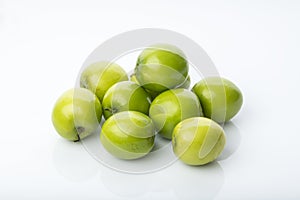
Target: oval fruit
point(171, 107)
point(76, 114)
point(161, 67)
point(198, 140)
point(128, 135)
point(221, 99)
point(125, 96)
point(100, 76)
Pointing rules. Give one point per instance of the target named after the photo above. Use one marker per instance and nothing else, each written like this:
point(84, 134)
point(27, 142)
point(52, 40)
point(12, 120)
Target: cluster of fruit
point(156, 99)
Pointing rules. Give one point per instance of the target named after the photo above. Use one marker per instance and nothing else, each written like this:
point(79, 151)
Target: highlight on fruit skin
point(100, 76)
point(128, 135)
point(161, 67)
point(198, 140)
point(76, 114)
point(220, 98)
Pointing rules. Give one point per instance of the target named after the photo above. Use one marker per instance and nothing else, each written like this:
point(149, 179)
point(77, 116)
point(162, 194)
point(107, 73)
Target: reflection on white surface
point(233, 140)
point(178, 181)
point(73, 162)
point(184, 182)
point(160, 157)
point(202, 182)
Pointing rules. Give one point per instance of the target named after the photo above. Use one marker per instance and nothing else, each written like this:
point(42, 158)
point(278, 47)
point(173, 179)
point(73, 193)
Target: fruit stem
point(111, 110)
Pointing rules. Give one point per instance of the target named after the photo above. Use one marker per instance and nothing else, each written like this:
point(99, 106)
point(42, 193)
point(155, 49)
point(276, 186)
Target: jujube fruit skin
point(128, 135)
point(100, 76)
point(161, 67)
point(220, 98)
point(171, 107)
point(198, 140)
point(76, 114)
point(125, 96)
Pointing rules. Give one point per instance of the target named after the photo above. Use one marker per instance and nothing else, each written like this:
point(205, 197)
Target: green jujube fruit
point(161, 67)
point(100, 76)
point(76, 114)
point(221, 99)
point(128, 135)
point(125, 96)
point(198, 140)
point(171, 107)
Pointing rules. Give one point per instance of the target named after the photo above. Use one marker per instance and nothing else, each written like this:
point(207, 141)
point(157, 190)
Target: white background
point(253, 43)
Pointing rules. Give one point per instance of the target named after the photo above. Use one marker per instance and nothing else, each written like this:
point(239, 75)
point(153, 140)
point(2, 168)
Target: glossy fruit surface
point(76, 114)
point(221, 99)
point(128, 135)
point(171, 107)
point(161, 67)
point(124, 96)
point(198, 140)
point(99, 77)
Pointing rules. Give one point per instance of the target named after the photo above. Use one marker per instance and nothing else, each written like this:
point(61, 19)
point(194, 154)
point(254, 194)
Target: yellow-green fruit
point(171, 107)
point(128, 135)
point(198, 140)
point(76, 114)
point(125, 96)
point(99, 77)
point(220, 98)
point(161, 67)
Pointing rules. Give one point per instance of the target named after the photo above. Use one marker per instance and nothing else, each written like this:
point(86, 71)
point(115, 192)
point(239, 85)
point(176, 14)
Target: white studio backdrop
point(43, 45)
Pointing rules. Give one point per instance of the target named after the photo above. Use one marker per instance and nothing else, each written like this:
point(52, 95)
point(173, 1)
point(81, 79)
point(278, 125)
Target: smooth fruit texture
point(124, 96)
point(221, 99)
point(171, 107)
point(76, 114)
point(99, 77)
point(161, 67)
point(198, 140)
point(128, 135)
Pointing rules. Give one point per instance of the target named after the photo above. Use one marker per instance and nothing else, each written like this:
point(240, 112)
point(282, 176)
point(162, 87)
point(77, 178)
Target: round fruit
point(198, 140)
point(161, 67)
point(128, 135)
point(171, 107)
point(99, 77)
point(76, 114)
point(221, 99)
point(124, 96)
